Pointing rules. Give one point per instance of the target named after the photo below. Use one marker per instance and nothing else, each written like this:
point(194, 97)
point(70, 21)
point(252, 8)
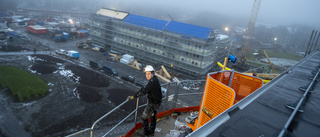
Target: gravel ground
point(70, 105)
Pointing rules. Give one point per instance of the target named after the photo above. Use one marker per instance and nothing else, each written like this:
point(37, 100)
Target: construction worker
point(153, 89)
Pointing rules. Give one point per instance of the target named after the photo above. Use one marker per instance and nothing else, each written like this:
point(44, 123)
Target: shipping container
point(36, 29)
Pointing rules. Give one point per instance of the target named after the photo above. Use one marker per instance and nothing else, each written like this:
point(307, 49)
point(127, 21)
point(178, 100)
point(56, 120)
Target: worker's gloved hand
point(132, 97)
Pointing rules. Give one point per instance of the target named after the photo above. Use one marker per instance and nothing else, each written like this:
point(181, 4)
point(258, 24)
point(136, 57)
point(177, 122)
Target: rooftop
point(186, 30)
point(265, 112)
point(112, 13)
point(145, 22)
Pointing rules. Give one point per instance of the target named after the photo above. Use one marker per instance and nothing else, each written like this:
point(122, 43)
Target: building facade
point(181, 47)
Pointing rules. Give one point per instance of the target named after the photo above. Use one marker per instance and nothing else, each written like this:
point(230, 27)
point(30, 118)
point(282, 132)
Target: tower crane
point(249, 31)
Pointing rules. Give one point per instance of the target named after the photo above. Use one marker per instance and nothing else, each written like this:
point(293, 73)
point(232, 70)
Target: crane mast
point(250, 29)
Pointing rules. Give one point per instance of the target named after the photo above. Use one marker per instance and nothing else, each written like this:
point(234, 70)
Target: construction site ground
point(78, 95)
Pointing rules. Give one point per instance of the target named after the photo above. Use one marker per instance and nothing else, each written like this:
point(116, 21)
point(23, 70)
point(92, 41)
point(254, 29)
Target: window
point(145, 48)
point(121, 41)
point(188, 43)
point(137, 45)
point(197, 56)
point(154, 50)
point(163, 53)
point(187, 53)
point(165, 37)
point(172, 56)
point(192, 62)
point(196, 63)
point(129, 43)
point(176, 40)
point(182, 59)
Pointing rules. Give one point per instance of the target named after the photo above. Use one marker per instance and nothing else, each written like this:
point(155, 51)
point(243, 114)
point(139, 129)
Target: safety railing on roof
point(297, 106)
point(189, 84)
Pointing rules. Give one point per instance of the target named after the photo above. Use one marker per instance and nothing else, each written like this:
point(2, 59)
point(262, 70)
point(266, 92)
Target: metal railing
point(296, 109)
point(168, 85)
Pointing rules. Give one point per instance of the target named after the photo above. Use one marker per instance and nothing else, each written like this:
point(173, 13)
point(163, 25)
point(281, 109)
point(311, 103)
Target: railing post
point(91, 133)
point(166, 101)
point(136, 113)
point(176, 96)
point(231, 78)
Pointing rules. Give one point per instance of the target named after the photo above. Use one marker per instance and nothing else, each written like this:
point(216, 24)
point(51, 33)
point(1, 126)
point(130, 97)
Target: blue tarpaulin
point(188, 29)
point(145, 22)
point(13, 34)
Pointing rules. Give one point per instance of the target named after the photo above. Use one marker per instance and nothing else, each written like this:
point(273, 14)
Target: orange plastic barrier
point(242, 84)
point(218, 96)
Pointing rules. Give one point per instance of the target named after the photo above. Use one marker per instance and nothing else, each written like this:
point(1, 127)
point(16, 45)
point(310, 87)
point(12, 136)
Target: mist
point(224, 12)
point(209, 13)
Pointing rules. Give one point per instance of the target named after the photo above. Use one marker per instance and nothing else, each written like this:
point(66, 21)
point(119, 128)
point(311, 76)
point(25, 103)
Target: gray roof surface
point(264, 113)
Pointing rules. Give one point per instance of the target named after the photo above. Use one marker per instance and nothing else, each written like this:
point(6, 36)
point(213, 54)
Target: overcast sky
point(279, 12)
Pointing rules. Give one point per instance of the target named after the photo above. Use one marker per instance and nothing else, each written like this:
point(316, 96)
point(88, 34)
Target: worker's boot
point(146, 128)
point(153, 123)
point(151, 132)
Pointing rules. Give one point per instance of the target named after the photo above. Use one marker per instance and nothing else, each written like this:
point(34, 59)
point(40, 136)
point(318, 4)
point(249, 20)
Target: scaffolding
point(189, 56)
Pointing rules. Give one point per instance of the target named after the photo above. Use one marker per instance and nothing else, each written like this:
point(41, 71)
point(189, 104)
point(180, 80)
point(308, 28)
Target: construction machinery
point(63, 37)
point(274, 71)
point(83, 45)
point(249, 33)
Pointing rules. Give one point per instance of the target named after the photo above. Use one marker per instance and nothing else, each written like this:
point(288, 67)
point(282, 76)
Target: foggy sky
point(278, 12)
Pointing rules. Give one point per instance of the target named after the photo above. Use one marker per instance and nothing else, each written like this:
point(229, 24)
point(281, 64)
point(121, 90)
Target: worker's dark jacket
point(153, 89)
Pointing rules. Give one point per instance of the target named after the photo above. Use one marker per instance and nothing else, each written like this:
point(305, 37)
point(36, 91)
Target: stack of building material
point(126, 59)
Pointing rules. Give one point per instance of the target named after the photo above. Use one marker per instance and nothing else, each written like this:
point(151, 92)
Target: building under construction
point(182, 47)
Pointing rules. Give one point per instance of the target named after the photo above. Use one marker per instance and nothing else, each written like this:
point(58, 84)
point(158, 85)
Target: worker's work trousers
point(149, 111)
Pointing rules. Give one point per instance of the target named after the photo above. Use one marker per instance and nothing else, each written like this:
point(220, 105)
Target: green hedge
point(22, 83)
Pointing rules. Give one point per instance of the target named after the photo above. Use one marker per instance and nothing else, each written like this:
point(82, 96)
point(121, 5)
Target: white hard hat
point(148, 68)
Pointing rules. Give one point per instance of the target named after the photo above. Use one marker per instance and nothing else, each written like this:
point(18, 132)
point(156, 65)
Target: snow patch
point(69, 74)
point(76, 93)
point(32, 71)
point(50, 84)
point(221, 37)
point(31, 58)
